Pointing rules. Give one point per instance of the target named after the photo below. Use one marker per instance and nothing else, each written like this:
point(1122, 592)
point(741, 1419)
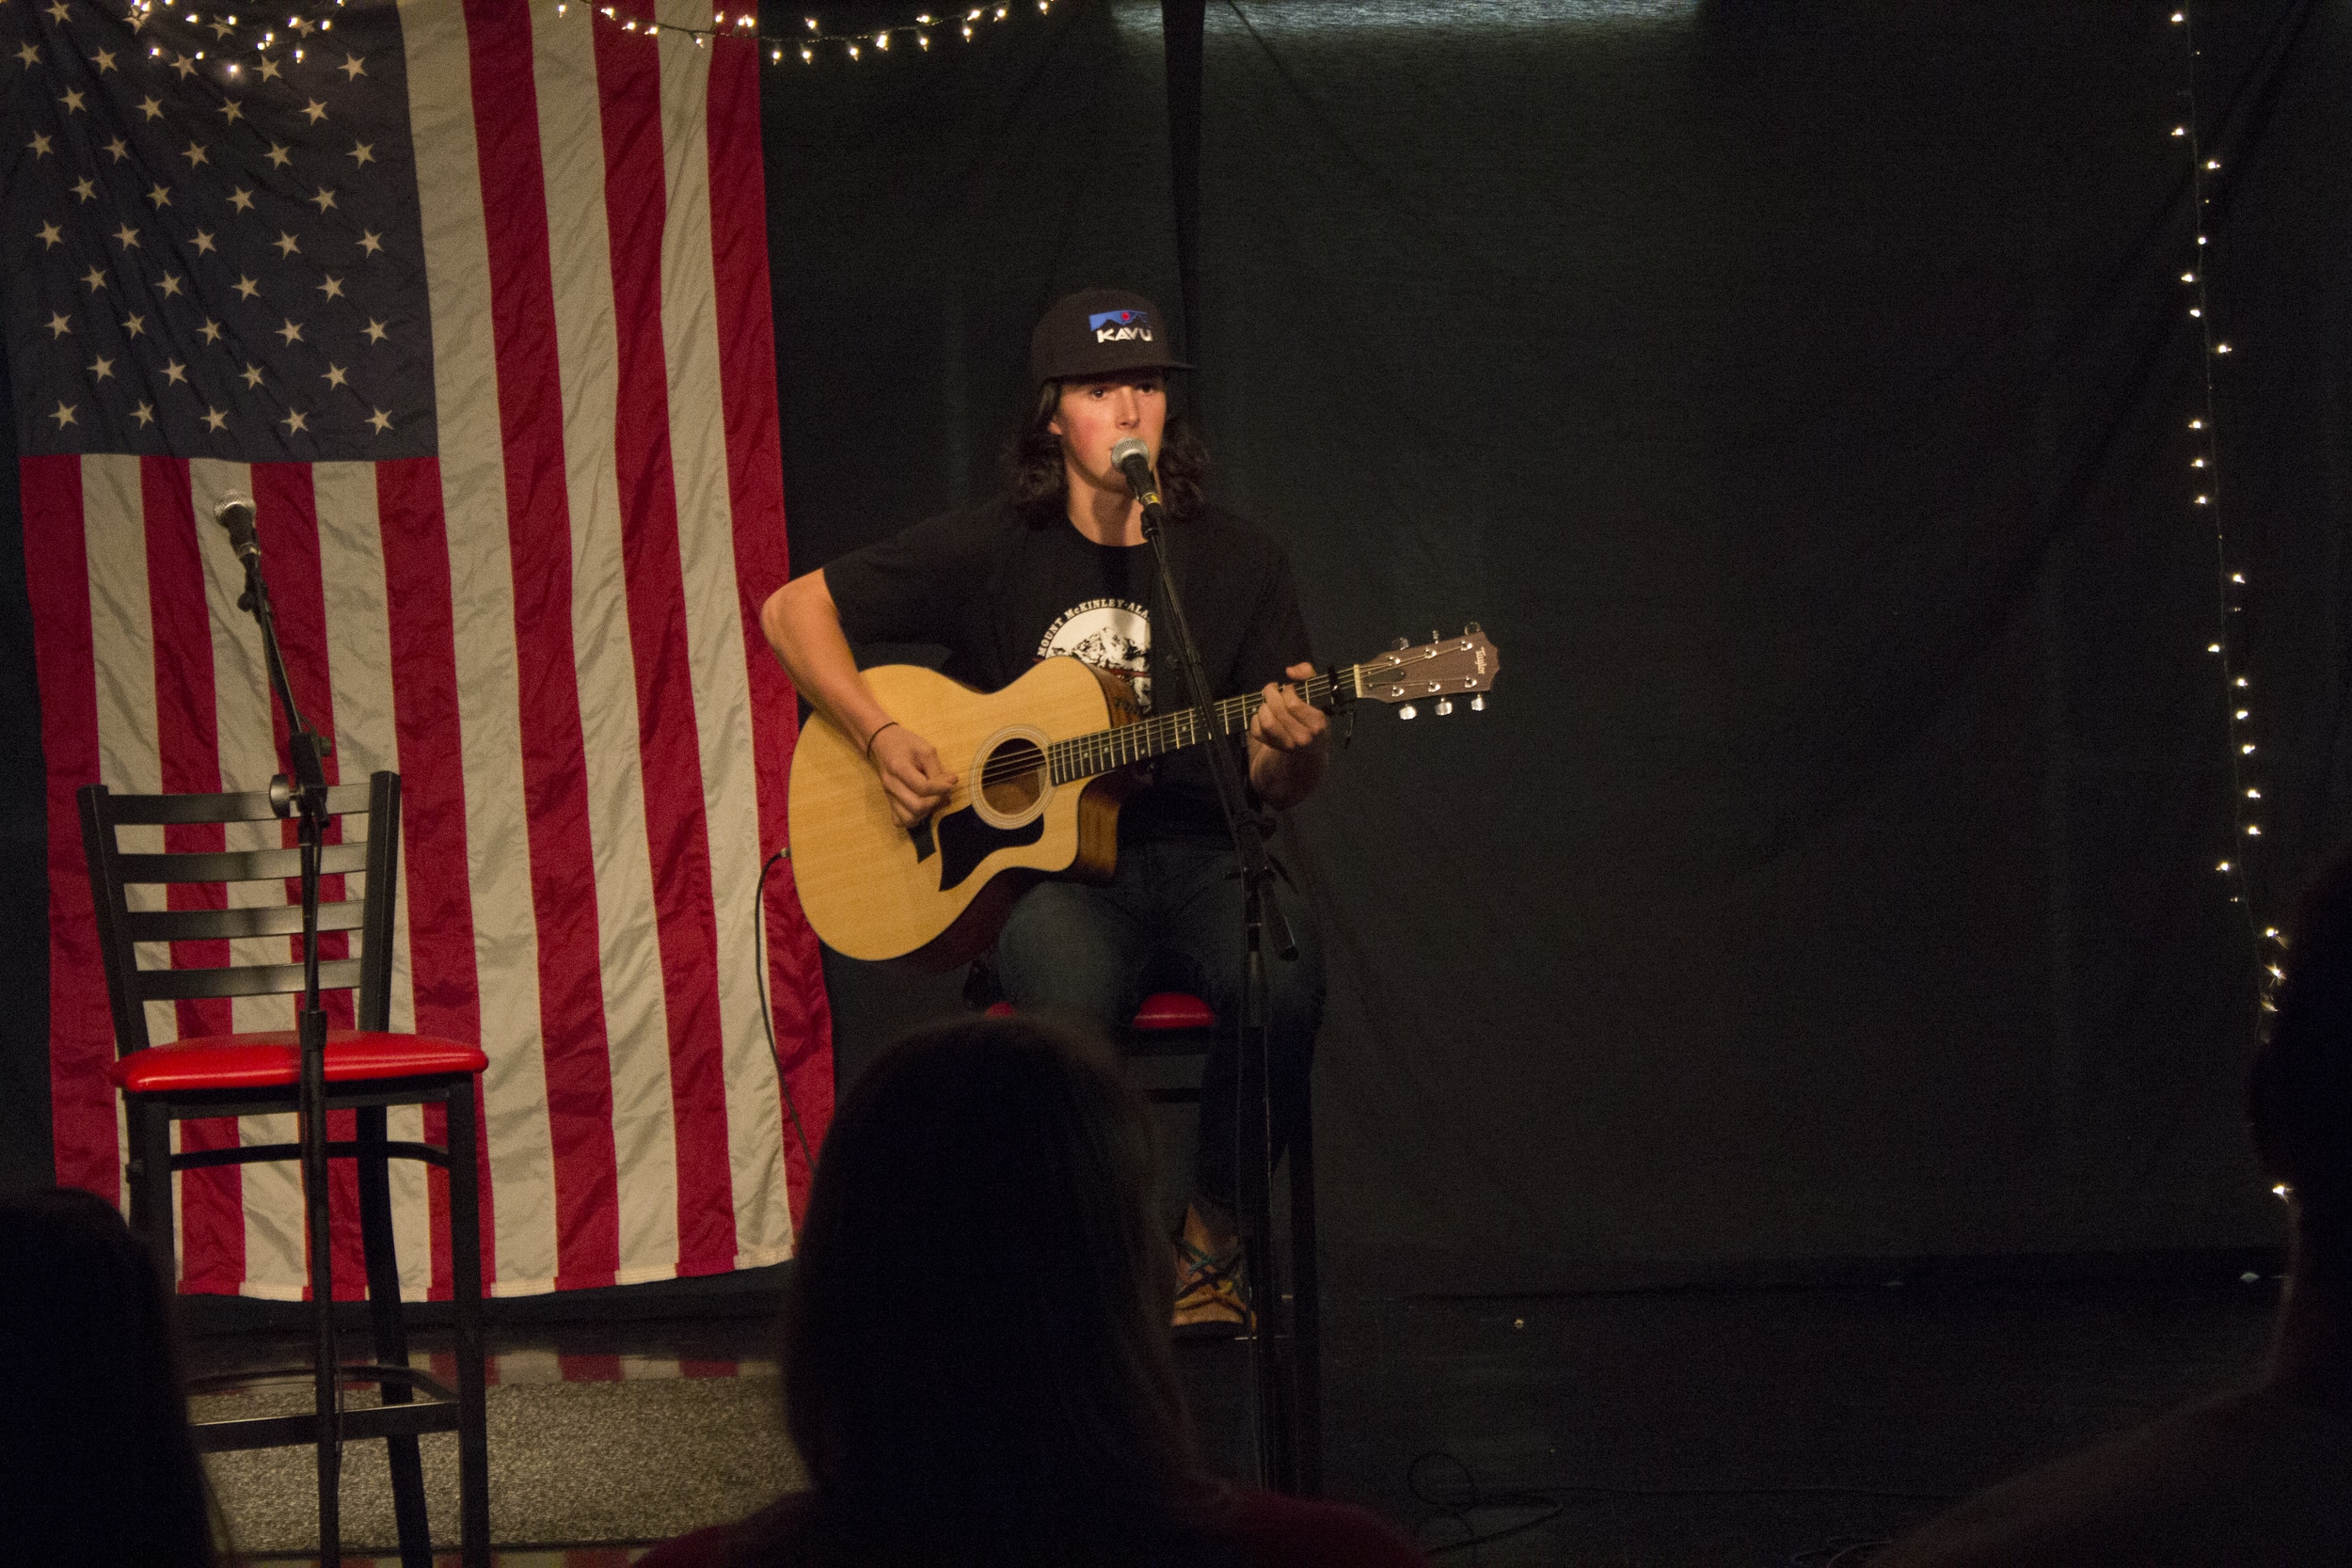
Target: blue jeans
point(1172, 919)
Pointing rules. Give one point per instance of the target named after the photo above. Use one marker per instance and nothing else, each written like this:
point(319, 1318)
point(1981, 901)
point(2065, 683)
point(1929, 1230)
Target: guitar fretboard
point(1084, 756)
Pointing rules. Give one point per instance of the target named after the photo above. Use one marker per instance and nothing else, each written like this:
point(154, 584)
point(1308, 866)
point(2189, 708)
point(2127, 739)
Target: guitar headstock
point(1436, 673)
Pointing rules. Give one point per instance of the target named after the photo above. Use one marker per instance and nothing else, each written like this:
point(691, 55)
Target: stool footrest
point(287, 1431)
point(436, 1412)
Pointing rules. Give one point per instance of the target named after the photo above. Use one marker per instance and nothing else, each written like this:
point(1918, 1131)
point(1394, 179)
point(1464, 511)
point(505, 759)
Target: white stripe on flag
point(722, 700)
point(571, 142)
point(473, 491)
point(122, 648)
point(359, 633)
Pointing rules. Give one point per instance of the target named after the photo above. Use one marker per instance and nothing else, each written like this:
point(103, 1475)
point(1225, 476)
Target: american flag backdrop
point(471, 296)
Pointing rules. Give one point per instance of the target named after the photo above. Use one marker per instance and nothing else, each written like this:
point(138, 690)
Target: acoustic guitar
point(1042, 767)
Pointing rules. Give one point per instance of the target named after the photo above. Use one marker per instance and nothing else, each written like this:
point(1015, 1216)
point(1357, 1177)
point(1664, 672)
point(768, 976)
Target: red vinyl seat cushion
point(269, 1059)
point(1163, 1011)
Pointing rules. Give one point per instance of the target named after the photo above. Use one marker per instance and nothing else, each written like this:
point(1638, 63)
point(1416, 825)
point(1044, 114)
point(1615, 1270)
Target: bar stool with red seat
point(254, 1073)
point(1178, 1023)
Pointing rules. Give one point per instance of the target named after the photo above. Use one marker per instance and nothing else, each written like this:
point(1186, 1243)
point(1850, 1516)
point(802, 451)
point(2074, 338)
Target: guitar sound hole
point(1014, 777)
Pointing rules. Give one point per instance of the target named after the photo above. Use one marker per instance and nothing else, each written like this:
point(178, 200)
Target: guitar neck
point(1086, 755)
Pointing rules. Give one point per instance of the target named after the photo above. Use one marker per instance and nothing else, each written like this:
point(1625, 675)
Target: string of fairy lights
point(2228, 644)
point(816, 41)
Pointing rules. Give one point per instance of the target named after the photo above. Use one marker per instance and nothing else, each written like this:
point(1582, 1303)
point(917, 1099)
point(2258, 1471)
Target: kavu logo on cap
point(1116, 326)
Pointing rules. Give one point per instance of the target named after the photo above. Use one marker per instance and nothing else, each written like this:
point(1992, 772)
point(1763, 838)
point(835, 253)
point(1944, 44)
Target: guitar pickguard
point(965, 840)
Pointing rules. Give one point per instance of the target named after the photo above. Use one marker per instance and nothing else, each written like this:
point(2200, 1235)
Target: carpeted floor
point(631, 1460)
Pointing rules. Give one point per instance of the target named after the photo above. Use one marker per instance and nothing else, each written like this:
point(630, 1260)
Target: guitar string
point(1157, 735)
point(1163, 733)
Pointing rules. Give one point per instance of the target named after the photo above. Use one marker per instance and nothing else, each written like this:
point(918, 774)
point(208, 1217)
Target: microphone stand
point(305, 799)
point(1272, 1359)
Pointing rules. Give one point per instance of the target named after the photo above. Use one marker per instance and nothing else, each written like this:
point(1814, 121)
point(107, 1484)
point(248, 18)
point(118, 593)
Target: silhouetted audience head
point(100, 1467)
point(977, 1352)
point(2301, 1091)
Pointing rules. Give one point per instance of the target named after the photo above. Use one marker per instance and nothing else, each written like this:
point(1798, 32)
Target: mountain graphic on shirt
point(1109, 634)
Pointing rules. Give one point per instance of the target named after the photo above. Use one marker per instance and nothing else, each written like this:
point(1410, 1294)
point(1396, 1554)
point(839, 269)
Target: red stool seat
point(1162, 1011)
point(270, 1059)
point(1173, 1009)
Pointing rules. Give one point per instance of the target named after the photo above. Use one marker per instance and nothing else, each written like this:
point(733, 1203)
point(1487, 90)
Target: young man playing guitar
point(1058, 565)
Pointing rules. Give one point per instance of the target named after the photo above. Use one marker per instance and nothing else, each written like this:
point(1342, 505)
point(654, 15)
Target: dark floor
point(1717, 1426)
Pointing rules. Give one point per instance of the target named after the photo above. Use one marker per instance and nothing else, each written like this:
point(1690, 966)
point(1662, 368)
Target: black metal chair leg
point(465, 1246)
point(150, 1188)
point(391, 1338)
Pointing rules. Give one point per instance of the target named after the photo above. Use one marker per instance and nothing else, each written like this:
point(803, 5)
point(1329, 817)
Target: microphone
point(235, 514)
point(1131, 457)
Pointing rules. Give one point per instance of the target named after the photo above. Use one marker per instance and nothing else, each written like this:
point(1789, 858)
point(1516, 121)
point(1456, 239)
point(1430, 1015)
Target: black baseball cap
point(1099, 332)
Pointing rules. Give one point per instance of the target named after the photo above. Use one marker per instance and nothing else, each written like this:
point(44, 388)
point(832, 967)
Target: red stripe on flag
point(80, 1026)
point(432, 803)
point(555, 787)
point(211, 1202)
point(747, 374)
point(670, 755)
point(286, 517)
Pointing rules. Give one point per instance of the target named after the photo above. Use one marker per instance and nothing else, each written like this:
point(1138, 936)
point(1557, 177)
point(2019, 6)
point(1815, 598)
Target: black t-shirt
point(1002, 589)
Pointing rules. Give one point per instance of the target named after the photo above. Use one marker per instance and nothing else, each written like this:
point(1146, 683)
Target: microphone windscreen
point(1128, 447)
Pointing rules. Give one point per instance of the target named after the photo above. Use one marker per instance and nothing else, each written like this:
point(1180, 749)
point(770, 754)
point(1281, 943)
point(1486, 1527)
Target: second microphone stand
point(303, 799)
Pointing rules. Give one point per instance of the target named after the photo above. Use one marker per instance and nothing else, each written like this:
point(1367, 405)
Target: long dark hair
point(976, 1357)
point(1035, 480)
point(98, 1465)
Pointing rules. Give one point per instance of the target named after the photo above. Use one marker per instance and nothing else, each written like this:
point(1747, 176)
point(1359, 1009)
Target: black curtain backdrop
point(1798, 395)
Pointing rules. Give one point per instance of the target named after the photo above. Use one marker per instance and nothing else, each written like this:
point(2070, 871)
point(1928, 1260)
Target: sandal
point(1209, 1299)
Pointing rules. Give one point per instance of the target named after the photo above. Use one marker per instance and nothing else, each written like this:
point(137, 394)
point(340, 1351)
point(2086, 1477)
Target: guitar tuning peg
point(1400, 644)
point(1478, 705)
point(1445, 705)
point(1470, 630)
point(1408, 711)
point(1434, 636)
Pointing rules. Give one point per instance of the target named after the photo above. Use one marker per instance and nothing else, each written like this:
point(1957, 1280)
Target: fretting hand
point(1289, 740)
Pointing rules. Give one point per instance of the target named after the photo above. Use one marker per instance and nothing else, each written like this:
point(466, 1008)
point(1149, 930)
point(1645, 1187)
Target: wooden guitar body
point(936, 894)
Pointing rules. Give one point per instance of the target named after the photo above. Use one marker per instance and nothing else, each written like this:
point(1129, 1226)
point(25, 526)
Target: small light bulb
point(2195, 462)
point(2246, 751)
point(923, 38)
point(2188, 278)
point(2213, 647)
point(2202, 499)
point(2196, 424)
point(809, 56)
point(2195, 311)
point(2180, 16)
point(2221, 348)
point(812, 23)
point(2271, 931)
point(2256, 795)
point(2241, 713)
point(2180, 130)
point(2213, 162)
point(853, 52)
point(2200, 239)
point(2240, 681)
point(881, 40)
point(2281, 1189)
point(776, 56)
point(2238, 577)
point(2223, 866)
point(2254, 830)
